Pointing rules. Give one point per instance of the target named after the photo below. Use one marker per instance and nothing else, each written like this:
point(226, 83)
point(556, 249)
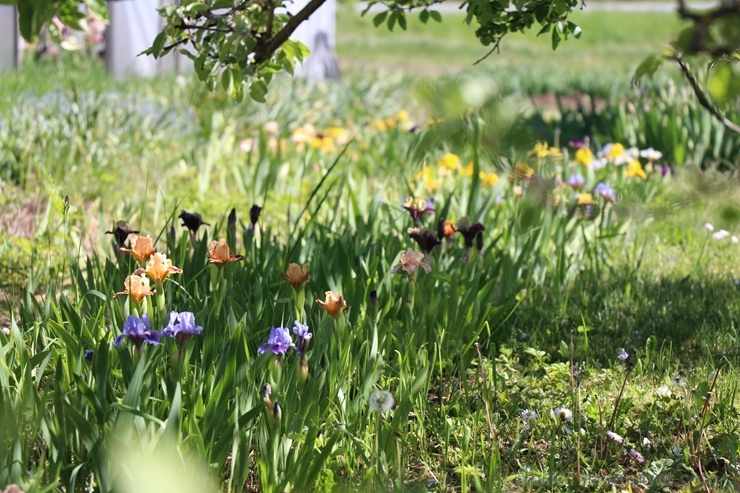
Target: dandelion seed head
point(381, 401)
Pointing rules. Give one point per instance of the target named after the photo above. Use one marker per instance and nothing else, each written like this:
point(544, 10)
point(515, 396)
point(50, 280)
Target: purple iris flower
point(576, 181)
point(182, 325)
point(607, 192)
point(278, 342)
point(138, 330)
point(578, 143)
point(301, 331)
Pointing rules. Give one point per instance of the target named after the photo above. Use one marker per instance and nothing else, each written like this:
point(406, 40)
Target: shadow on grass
point(687, 318)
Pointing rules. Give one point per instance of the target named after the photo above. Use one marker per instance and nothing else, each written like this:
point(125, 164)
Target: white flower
point(646, 441)
point(272, 127)
point(663, 391)
point(734, 239)
point(721, 234)
point(381, 401)
point(5, 330)
point(528, 415)
point(651, 154)
point(633, 152)
point(708, 226)
point(599, 163)
point(563, 413)
point(614, 437)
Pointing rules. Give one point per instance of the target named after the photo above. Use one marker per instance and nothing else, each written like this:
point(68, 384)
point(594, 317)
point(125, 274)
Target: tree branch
point(265, 51)
point(704, 99)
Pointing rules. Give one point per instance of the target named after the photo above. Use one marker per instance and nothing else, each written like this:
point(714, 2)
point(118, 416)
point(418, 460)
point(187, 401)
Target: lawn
point(611, 45)
point(579, 332)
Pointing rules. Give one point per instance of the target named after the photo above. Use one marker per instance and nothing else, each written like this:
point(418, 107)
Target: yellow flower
point(585, 199)
point(584, 156)
point(158, 268)
point(137, 287)
point(467, 170)
point(518, 190)
point(339, 134)
point(488, 179)
point(543, 150)
point(403, 116)
point(378, 125)
point(333, 305)
point(449, 161)
point(296, 275)
point(410, 261)
point(522, 171)
point(219, 253)
point(142, 247)
point(634, 168)
point(615, 151)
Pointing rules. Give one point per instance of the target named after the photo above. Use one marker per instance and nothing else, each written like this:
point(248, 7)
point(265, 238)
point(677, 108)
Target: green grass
point(612, 45)
point(464, 348)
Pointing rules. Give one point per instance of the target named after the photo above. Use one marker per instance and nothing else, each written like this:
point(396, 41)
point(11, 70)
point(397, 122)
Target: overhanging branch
point(265, 51)
point(704, 99)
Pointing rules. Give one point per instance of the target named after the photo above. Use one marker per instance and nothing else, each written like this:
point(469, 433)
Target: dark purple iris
point(192, 221)
point(424, 238)
point(121, 232)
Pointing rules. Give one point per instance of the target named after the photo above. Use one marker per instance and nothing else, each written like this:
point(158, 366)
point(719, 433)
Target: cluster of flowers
point(563, 416)
point(138, 330)
point(433, 178)
point(427, 240)
point(721, 234)
point(156, 267)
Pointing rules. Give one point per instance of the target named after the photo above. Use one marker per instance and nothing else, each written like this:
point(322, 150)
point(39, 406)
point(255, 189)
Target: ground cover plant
point(507, 319)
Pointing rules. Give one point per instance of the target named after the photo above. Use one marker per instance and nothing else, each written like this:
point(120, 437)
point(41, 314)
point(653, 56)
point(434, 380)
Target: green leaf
point(648, 66)
point(424, 16)
point(227, 81)
point(158, 44)
point(436, 15)
point(402, 20)
point(380, 18)
point(575, 29)
point(556, 39)
point(720, 82)
point(258, 90)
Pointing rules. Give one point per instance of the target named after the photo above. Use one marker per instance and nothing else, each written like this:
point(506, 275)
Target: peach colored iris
point(158, 268)
point(296, 275)
point(220, 254)
point(142, 247)
point(137, 287)
point(410, 261)
point(333, 305)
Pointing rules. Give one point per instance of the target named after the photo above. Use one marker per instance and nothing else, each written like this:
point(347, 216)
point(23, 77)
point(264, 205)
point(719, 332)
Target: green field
point(612, 44)
point(568, 342)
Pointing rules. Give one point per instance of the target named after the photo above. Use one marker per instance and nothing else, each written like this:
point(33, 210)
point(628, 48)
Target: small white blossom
point(721, 234)
point(663, 391)
point(5, 330)
point(528, 415)
point(563, 413)
point(651, 154)
point(709, 226)
point(734, 239)
point(646, 441)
